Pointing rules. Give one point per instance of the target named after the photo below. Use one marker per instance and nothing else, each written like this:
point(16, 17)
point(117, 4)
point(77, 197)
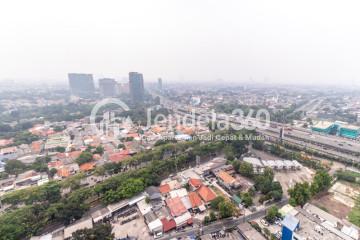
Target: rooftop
point(226, 178)
point(206, 193)
point(176, 206)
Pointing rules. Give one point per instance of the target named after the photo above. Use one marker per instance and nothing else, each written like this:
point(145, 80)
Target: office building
point(81, 84)
point(136, 86)
point(160, 84)
point(107, 87)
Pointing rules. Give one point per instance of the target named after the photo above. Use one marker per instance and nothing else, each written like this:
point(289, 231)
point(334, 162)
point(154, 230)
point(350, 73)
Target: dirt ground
point(288, 179)
point(331, 205)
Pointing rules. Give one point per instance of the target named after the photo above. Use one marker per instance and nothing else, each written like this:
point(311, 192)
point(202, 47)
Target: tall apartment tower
point(81, 84)
point(108, 87)
point(160, 84)
point(136, 86)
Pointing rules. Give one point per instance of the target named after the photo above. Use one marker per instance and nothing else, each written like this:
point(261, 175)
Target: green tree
point(226, 209)
point(246, 169)
point(60, 149)
point(84, 157)
point(271, 214)
point(99, 150)
point(322, 180)
point(207, 220)
point(215, 203)
point(299, 194)
point(52, 172)
point(246, 198)
point(212, 216)
point(15, 167)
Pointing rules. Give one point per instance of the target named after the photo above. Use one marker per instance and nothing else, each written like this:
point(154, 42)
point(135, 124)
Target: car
point(264, 222)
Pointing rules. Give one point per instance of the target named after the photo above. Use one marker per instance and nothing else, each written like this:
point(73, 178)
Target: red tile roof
point(168, 224)
point(63, 172)
point(206, 194)
point(176, 206)
point(195, 199)
point(119, 156)
point(36, 146)
point(5, 142)
point(87, 166)
point(196, 183)
point(164, 188)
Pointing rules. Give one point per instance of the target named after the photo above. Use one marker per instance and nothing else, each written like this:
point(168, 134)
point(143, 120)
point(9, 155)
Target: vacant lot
point(288, 179)
point(328, 203)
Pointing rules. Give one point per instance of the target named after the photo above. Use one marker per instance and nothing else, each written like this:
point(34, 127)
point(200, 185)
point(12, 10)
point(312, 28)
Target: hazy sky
point(304, 41)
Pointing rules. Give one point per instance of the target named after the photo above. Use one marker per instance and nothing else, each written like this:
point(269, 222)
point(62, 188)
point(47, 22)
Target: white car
point(264, 222)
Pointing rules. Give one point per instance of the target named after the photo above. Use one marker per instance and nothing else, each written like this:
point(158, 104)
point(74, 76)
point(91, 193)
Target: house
point(206, 194)
point(194, 183)
point(168, 224)
point(175, 206)
point(87, 166)
point(196, 202)
point(119, 156)
point(226, 179)
point(182, 192)
point(156, 227)
point(153, 193)
point(183, 220)
point(164, 189)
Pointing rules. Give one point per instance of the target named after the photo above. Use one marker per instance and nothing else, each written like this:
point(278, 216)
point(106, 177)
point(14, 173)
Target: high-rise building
point(160, 83)
point(136, 86)
point(81, 84)
point(108, 87)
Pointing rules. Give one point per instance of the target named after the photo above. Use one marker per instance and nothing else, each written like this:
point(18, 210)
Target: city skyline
point(262, 42)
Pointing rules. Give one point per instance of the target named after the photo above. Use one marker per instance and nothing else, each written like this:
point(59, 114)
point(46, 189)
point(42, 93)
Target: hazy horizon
point(286, 42)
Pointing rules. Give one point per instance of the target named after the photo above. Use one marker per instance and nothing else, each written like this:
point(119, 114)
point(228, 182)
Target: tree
point(84, 157)
point(98, 232)
point(246, 198)
point(212, 216)
point(99, 150)
point(14, 167)
point(52, 172)
point(271, 214)
point(321, 181)
point(246, 169)
point(299, 194)
point(120, 145)
point(131, 187)
point(264, 182)
point(60, 149)
point(40, 165)
point(207, 220)
point(215, 203)
point(226, 209)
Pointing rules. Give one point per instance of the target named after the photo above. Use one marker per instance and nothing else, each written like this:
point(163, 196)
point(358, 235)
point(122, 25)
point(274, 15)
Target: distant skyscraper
point(81, 84)
point(107, 87)
point(136, 86)
point(159, 83)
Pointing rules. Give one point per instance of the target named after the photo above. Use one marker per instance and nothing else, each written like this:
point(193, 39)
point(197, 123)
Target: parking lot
point(132, 225)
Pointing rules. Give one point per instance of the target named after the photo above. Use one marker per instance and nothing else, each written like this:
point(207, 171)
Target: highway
point(329, 144)
point(332, 145)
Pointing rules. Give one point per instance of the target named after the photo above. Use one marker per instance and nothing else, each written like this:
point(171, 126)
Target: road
point(221, 225)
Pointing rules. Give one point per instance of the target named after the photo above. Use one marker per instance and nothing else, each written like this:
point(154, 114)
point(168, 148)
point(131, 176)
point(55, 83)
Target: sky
point(262, 41)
